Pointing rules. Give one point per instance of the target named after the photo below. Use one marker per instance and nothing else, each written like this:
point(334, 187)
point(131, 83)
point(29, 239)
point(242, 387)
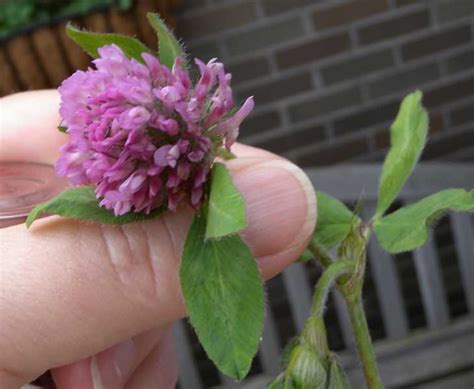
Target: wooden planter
point(42, 56)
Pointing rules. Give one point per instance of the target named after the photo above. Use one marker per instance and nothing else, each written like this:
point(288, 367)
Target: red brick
point(347, 13)
point(334, 153)
point(313, 51)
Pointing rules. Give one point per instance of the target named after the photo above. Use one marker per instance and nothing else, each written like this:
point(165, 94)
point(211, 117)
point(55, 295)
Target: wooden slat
point(350, 182)
point(166, 9)
point(96, 22)
point(122, 22)
point(270, 346)
point(25, 62)
point(463, 232)
point(419, 358)
point(422, 357)
point(50, 54)
point(387, 285)
point(146, 32)
point(188, 372)
point(299, 294)
point(75, 56)
point(456, 380)
point(8, 82)
point(431, 285)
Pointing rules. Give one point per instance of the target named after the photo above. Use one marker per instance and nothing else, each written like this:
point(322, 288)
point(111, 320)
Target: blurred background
point(327, 76)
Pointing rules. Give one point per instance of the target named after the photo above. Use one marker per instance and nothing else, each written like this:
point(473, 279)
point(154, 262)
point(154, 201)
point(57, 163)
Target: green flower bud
point(306, 369)
point(314, 336)
point(287, 351)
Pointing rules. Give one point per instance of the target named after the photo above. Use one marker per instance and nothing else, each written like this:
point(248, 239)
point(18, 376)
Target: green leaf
point(226, 214)
point(62, 129)
point(408, 137)
point(407, 228)
point(334, 221)
point(81, 203)
point(168, 46)
point(223, 293)
point(305, 257)
point(225, 154)
point(91, 41)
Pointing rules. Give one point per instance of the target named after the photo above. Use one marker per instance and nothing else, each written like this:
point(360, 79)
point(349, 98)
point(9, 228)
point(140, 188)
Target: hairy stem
point(363, 341)
point(329, 276)
point(320, 253)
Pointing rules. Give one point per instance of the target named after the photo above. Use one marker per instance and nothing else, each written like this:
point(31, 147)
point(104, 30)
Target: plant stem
point(351, 288)
point(320, 253)
point(324, 284)
point(363, 341)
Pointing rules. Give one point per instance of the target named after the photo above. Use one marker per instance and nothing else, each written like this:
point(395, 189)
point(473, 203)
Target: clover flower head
point(144, 135)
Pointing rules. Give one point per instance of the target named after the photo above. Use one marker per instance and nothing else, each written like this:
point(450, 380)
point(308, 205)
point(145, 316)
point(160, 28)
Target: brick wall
point(328, 75)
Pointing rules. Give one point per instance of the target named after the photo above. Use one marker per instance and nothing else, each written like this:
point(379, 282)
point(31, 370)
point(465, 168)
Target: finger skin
point(115, 365)
point(87, 287)
point(160, 369)
point(28, 127)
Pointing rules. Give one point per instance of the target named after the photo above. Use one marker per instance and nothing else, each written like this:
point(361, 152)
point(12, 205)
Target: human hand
point(95, 304)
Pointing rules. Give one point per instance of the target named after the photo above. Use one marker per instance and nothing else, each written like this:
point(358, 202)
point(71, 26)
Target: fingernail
point(281, 205)
point(112, 368)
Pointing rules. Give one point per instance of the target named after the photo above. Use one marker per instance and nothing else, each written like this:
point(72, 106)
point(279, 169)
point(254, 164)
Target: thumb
point(71, 289)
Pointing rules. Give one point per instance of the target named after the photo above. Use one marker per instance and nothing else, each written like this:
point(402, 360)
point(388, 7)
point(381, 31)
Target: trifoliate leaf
point(407, 228)
point(91, 41)
point(81, 203)
point(408, 137)
point(168, 46)
point(334, 221)
point(223, 293)
point(226, 214)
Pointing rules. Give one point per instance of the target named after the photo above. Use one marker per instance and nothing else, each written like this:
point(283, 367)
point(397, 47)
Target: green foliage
point(334, 221)
point(168, 46)
point(407, 228)
point(223, 292)
point(17, 14)
point(408, 137)
point(226, 214)
point(309, 365)
point(81, 203)
point(91, 41)
point(305, 257)
point(225, 154)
